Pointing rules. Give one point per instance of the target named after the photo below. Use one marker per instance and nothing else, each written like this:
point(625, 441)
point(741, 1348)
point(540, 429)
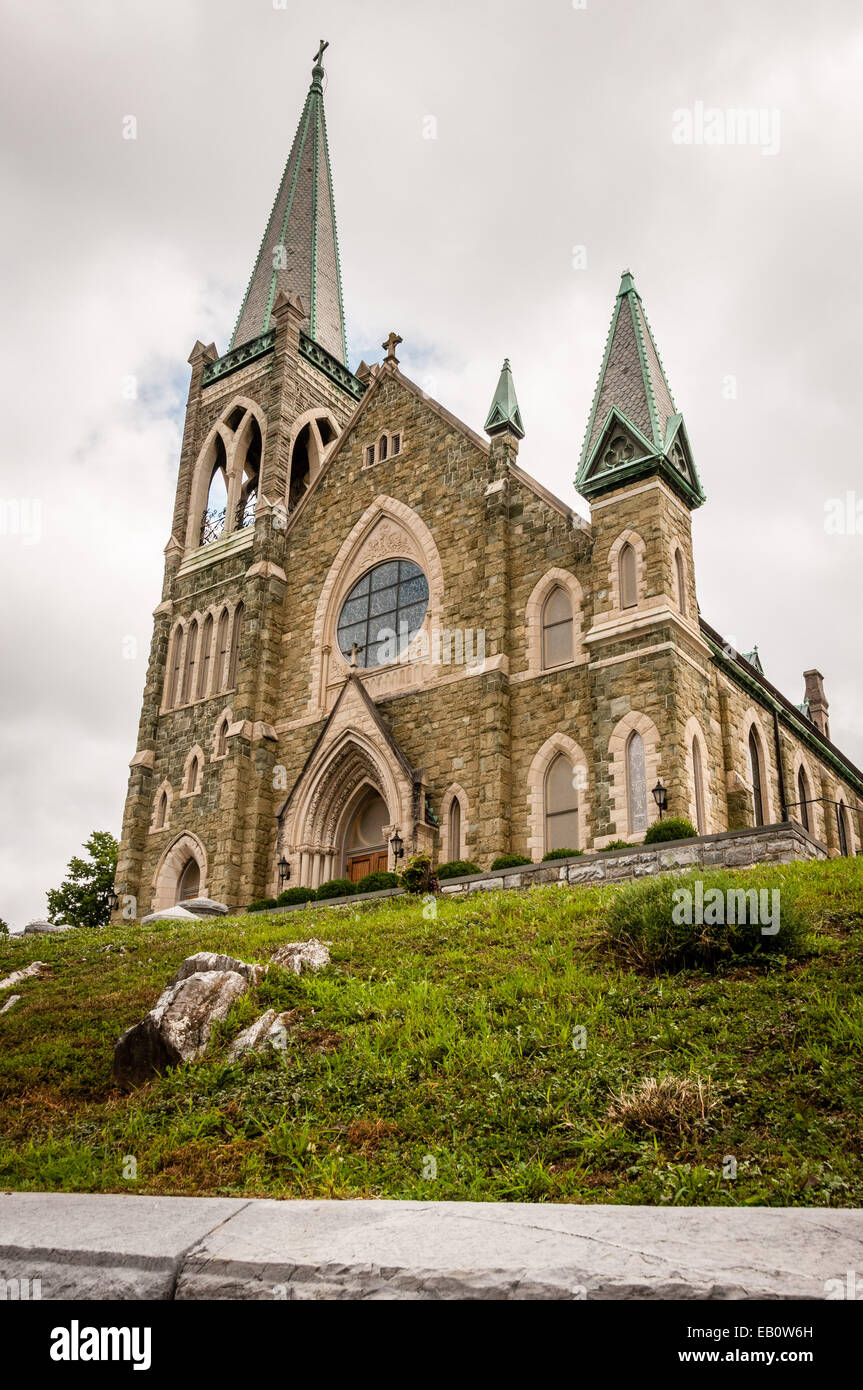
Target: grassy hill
point(451, 1039)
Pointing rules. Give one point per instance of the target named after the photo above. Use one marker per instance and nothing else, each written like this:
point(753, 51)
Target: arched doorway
point(366, 849)
point(181, 872)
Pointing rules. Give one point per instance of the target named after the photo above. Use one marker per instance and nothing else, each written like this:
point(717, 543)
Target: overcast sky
point(559, 160)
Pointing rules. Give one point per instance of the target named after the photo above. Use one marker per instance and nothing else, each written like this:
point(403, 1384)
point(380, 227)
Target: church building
point(379, 635)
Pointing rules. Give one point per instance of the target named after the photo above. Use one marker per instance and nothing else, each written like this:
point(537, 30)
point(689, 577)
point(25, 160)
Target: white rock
point(267, 1031)
point(178, 1029)
point(10, 1003)
point(302, 955)
point(44, 929)
point(34, 968)
point(208, 960)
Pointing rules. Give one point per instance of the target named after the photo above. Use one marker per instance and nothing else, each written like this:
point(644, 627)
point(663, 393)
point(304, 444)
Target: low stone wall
point(732, 849)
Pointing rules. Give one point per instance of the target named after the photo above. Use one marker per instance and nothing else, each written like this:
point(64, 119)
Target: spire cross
point(391, 344)
point(322, 47)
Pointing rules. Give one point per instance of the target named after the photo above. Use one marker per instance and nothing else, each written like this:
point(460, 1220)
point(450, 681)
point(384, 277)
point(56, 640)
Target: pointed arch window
point(189, 667)
point(161, 811)
point(757, 778)
point(222, 739)
point(841, 815)
point(192, 776)
point(636, 783)
point(698, 778)
point(176, 669)
point(455, 829)
point(382, 447)
point(803, 797)
point(628, 576)
point(215, 514)
point(235, 645)
point(221, 651)
point(680, 577)
point(561, 806)
point(205, 659)
point(251, 471)
point(557, 646)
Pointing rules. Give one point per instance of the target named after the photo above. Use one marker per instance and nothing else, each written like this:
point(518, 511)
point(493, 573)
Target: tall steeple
point(634, 427)
point(299, 252)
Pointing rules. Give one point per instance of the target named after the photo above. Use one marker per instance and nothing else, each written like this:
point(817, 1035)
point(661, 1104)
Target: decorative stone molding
point(634, 539)
point(557, 743)
point(173, 861)
point(266, 569)
point(192, 787)
point(146, 758)
point(387, 529)
point(455, 792)
point(692, 732)
point(165, 789)
point(552, 579)
point(634, 722)
point(752, 720)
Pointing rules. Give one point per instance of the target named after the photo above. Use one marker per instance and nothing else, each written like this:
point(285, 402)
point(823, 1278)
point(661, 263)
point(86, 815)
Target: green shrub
point(418, 876)
point(455, 868)
point(510, 861)
point(674, 828)
point(646, 921)
point(617, 844)
point(381, 878)
point(295, 895)
point(561, 854)
point(335, 888)
point(261, 905)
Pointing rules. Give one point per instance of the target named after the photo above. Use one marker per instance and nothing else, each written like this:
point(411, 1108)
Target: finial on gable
point(505, 415)
point(391, 344)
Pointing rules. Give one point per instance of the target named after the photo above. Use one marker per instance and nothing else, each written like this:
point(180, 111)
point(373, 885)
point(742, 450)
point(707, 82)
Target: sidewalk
point(117, 1247)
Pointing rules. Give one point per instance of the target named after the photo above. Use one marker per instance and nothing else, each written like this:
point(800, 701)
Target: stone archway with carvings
point(186, 849)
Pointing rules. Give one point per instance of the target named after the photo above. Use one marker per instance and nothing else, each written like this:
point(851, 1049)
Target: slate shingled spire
point(634, 426)
point(504, 413)
point(299, 252)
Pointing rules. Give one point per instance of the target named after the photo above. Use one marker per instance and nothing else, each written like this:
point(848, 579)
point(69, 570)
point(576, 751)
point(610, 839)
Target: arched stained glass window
point(636, 783)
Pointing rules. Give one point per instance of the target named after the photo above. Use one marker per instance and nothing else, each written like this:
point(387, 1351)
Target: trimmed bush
point(646, 922)
point(372, 883)
point(674, 828)
point(510, 861)
point(561, 854)
point(261, 905)
point(336, 888)
point(295, 895)
point(618, 844)
point(455, 868)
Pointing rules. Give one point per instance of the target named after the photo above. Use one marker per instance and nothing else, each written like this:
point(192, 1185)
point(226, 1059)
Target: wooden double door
point(368, 862)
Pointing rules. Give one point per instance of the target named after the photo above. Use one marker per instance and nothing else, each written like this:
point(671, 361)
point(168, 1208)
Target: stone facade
point(274, 750)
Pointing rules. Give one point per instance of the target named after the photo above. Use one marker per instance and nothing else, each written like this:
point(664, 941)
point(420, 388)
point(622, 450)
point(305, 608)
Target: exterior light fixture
point(397, 846)
point(660, 796)
point(284, 871)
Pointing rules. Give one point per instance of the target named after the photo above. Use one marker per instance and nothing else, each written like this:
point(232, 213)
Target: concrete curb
point(118, 1247)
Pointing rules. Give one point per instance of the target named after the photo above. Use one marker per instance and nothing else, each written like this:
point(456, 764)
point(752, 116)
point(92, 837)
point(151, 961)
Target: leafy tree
point(4, 928)
point(84, 897)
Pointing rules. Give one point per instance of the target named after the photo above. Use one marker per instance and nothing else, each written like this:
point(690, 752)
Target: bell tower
point(260, 420)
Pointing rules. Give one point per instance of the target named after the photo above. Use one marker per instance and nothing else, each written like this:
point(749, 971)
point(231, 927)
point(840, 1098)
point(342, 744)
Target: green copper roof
point(634, 427)
point(299, 252)
point(504, 413)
